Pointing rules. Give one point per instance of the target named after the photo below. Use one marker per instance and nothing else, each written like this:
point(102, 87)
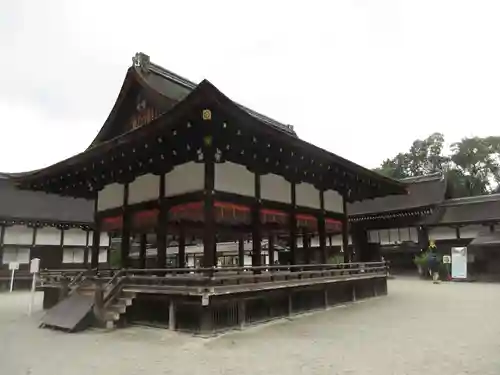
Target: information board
point(459, 262)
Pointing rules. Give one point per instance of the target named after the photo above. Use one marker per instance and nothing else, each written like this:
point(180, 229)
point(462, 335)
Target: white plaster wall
point(103, 255)
point(333, 201)
point(442, 233)
point(16, 254)
point(234, 178)
point(144, 188)
point(104, 239)
point(73, 255)
point(414, 234)
point(48, 236)
point(336, 240)
point(306, 195)
point(111, 196)
point(185, 178)
point(75, 237)
point(373, 236)
point(471, 231)
point(18, 234)
point(247, 260)
point(384, 236)
point(275, 188)
point(394, 235)
point(404, 234)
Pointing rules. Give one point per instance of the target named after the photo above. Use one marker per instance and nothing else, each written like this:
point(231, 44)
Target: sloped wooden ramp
point(71, 314)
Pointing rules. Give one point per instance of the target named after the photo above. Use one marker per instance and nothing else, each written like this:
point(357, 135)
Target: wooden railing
point(114, 279)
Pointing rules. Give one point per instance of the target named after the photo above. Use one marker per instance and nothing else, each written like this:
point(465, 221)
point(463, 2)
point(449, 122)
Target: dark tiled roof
point(486, 238)
point(31, 205)
point(165, 74)
point(423, 191)
point(483, 208)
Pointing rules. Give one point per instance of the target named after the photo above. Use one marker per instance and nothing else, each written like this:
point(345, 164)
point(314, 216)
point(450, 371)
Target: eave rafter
point(178, 137)
point(391, 215)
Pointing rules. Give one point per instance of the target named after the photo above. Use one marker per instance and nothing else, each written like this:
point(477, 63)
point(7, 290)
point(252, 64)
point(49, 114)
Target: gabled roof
point(478, 209)
point(205, 91)
point(164, 89)
point(423, 192)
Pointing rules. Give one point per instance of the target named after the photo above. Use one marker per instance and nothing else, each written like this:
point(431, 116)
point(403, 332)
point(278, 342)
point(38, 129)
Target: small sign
point(446, 259)
point(459, 262)
point(13, 266)
point(35, 265)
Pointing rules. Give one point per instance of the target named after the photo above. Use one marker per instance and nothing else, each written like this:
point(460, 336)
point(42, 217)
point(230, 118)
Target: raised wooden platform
point(210, 300)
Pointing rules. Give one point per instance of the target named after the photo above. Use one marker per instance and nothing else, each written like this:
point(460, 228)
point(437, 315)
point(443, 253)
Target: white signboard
point(459, 262)
point(35, 265)
point(13, 266)
point(446, 259)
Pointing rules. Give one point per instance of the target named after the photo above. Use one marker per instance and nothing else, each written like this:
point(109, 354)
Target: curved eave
point(386, 184)
point(127, 82)
point(205, 91)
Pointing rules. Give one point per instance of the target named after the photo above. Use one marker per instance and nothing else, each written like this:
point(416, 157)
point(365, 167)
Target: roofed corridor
point(419, 328)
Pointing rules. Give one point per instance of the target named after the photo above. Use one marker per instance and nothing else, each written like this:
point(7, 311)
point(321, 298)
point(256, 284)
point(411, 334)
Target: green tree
point(424, 157)
point(472, 166)
point(476, 165)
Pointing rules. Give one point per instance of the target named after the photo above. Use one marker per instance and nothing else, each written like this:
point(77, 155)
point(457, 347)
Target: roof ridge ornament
point(141, 61)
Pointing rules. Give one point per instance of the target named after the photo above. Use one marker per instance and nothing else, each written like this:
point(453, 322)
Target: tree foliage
point(471, 165)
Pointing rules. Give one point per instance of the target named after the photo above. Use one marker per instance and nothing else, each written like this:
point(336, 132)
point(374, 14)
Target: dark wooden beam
point(126, 230)
point(209, 232)
point(241, 252)
point(161, 227)
point(182, 247)
point(270, 249)
point(142, 251)
point(293, 225)
point(345, 233)
point(322, 228)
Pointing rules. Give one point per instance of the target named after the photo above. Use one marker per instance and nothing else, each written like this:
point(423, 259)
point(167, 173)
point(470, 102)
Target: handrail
point(112, 287)
point(76, 279)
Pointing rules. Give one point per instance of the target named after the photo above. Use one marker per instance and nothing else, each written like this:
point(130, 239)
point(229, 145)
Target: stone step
point(117, 308)
point(124, 301)
point(111, 316)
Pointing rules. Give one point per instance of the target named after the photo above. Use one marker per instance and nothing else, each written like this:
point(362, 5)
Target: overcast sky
point(360, 78)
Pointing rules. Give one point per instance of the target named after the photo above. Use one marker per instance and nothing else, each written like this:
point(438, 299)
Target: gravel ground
point(420, 328)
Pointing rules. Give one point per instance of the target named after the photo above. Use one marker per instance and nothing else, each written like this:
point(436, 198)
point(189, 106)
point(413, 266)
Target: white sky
point(360, 78)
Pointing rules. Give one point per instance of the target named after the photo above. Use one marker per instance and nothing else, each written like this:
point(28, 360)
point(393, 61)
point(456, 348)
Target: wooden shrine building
point(55, 229)
point(179, 159)
point(402, 226)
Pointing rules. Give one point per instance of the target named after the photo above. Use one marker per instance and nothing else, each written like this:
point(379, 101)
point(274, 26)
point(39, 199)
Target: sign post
point(34, 268)
point(13, 267)
point(459, 262)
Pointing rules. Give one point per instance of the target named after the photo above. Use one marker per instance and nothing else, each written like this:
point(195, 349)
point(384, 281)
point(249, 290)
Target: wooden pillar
point(161, 227)
point(209, 230)
point(126, 231)
point(423, 238)
point(270, 249)
point(142, 251)
point(86, 251)
point(241, 252)
point(345, 233)
point(293, 226)
point(96, 242)
point(306, 246)
point(322, 229)
point(96, 239)
point(2, 236)
point(256, 226)
point(182, 248)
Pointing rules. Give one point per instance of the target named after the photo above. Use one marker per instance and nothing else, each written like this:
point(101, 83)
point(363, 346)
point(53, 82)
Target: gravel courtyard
point(420, 328)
